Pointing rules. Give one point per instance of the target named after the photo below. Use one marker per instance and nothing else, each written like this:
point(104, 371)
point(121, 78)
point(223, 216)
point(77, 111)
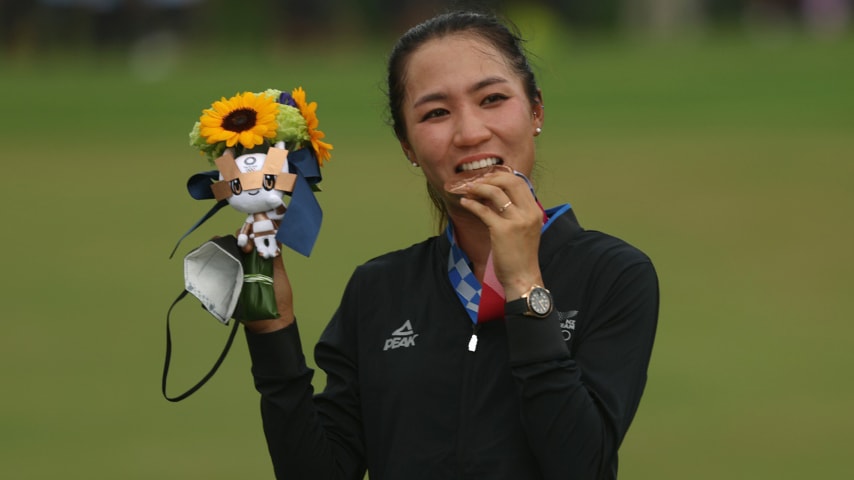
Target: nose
point(470, 130)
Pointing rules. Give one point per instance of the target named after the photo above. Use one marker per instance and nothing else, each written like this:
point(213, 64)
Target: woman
point(513, 345)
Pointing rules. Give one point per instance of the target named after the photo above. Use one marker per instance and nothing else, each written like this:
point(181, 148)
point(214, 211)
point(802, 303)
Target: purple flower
point(285, 98)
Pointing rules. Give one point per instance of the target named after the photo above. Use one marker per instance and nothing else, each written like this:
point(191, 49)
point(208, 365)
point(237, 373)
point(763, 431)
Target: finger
point(514, 187)
point(502, 196)
point(505, 206)
point(479, 208)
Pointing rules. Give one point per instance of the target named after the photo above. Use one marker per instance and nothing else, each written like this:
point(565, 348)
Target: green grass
point(730, 162)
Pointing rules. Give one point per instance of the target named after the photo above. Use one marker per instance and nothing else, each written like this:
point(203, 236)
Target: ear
point(538, 110)
point(407, 151)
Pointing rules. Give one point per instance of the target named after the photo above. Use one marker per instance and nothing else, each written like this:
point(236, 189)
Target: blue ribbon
point(199, 185)
point(300, 226)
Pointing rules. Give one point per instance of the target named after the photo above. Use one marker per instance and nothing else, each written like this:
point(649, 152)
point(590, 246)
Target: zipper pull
point(473, 339)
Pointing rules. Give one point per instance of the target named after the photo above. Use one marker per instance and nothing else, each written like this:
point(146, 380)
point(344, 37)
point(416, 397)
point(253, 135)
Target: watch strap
point(517, 307)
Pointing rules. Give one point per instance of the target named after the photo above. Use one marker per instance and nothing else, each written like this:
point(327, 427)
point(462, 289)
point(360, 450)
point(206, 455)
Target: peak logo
point(403, 337)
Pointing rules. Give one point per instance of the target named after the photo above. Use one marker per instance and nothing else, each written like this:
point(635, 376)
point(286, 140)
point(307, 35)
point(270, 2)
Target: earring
point(415, 164)
point(538, 131)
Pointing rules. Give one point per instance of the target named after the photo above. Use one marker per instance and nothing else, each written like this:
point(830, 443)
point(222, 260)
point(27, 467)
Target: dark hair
point(501, 35)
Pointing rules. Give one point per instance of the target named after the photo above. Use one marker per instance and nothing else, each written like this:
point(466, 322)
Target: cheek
point(427, 141)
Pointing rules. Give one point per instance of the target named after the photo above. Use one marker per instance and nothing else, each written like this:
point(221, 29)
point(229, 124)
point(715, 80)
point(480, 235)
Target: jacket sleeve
point(577, 406)
point(306, 436)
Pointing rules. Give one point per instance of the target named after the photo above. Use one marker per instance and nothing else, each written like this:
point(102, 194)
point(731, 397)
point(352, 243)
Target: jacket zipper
point(473, 339)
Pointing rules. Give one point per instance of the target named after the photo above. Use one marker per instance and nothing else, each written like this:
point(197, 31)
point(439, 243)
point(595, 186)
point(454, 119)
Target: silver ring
point(506, 205)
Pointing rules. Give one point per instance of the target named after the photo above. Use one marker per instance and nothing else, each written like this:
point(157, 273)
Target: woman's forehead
point(455, 59)
point(451, 46)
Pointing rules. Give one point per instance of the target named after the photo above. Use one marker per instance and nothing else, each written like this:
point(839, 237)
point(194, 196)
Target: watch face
point(540, 301)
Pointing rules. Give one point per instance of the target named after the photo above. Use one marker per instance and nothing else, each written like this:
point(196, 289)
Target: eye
point(494, 98)
point(269, 182)
point(236, 187)
point(435, 113)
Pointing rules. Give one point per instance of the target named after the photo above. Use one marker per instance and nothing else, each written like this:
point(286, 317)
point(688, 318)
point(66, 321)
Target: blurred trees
point(36, 25)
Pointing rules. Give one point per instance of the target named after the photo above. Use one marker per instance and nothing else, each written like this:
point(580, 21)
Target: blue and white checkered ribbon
point(462, 278)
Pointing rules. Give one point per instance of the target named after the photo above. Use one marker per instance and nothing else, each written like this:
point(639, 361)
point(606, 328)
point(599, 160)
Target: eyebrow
point(432, 97)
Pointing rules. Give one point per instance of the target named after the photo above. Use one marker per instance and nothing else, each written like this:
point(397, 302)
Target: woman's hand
point(504, 203)
point(284, 302)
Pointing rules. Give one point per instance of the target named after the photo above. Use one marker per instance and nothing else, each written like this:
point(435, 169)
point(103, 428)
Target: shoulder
point(567, 239)
point(402, 260)
point(610, 249)
point(414, 268)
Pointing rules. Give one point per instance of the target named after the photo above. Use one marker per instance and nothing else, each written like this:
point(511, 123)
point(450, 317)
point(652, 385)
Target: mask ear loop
point(217, 207)
point(213, 369)
point(228, 244)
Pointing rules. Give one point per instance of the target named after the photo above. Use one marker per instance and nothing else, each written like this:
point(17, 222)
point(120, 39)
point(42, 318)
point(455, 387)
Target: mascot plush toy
point(254, 184)
point(267, 149)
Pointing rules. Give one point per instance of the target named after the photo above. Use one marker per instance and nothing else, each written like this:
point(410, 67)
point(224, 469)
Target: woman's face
point(465, 109)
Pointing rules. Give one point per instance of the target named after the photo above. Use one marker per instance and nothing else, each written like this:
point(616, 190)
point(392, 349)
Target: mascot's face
point(254, 200)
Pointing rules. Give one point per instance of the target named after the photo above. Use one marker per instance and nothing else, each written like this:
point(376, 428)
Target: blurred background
point(715, 135)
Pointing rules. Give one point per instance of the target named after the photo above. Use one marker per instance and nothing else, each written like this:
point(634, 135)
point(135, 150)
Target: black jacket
point(406, 399)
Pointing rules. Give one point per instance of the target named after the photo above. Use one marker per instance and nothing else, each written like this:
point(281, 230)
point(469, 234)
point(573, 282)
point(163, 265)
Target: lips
point(469, 176)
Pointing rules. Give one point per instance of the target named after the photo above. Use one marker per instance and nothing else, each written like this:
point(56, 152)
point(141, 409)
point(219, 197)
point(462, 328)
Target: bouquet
point(266, 148)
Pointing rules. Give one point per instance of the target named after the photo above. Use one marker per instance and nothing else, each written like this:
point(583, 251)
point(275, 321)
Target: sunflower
point(246, 118)
point(307, 110)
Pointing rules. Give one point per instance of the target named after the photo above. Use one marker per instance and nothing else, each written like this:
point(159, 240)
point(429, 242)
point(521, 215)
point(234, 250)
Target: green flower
point(292, 127)
point(210, 150)
point(273, 93)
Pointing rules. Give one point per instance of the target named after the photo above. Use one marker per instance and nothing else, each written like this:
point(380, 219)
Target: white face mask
point(213, 273)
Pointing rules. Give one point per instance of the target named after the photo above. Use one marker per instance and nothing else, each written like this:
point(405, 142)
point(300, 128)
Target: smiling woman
point(513, 345)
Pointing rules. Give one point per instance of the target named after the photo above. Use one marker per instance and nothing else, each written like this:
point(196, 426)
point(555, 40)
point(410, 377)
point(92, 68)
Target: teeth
point(486, 162)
